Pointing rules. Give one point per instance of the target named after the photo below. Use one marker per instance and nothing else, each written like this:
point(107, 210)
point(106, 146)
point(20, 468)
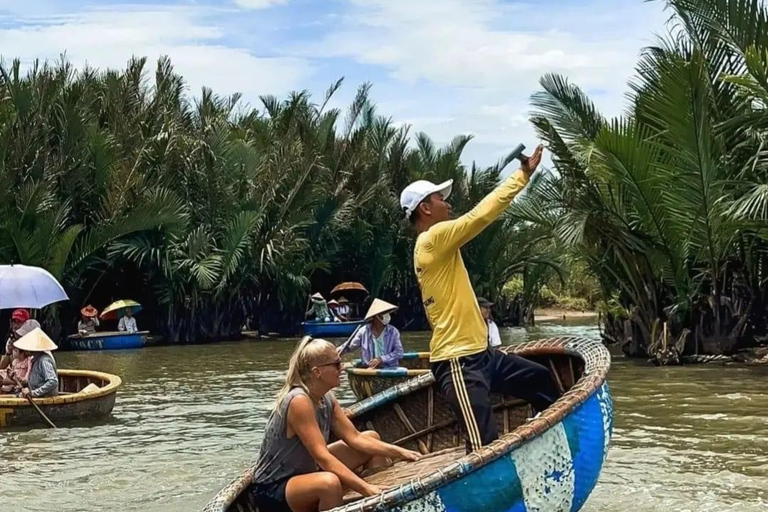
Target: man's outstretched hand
point(530, 164)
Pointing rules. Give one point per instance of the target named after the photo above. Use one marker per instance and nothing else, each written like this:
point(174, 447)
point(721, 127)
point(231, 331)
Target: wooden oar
point(344, 345)
point(29, 399)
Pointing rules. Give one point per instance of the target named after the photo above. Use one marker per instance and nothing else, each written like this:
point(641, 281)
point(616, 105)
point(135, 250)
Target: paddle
point(29, 399)
point(344, 345)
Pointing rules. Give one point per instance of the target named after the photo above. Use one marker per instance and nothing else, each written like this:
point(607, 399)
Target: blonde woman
point(297, 470)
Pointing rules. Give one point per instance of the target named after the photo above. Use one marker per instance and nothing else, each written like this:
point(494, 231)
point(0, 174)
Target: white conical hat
point(379, 307)
point(35, 341)
point(317, 296)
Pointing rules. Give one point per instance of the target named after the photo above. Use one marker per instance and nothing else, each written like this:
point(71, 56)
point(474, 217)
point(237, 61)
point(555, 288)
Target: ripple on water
point(189, 419)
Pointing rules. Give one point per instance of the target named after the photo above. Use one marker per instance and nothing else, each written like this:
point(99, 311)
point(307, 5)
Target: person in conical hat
point(378, 341)
point(89, 321)
point(319, 309)
point(43, 378)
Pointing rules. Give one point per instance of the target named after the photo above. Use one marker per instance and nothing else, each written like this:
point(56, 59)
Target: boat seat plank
point(401, 472)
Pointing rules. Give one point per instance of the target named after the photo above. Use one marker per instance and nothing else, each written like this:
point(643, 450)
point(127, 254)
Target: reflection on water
point(189, 419)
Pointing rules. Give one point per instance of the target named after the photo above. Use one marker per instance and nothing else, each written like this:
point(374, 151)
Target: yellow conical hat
point(379, 307)
point(35, 341)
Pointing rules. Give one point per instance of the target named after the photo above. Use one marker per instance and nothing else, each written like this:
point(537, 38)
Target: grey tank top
point(280, 457)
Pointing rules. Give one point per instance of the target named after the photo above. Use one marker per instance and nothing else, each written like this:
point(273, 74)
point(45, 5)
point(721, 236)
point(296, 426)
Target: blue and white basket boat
point(114, 340)
point(550, 463)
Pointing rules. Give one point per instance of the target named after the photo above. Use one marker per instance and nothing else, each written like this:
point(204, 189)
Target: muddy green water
point(189, 419)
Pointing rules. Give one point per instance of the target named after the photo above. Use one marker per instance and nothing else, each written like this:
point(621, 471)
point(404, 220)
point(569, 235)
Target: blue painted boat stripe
point(584, 428)
point(492, 488)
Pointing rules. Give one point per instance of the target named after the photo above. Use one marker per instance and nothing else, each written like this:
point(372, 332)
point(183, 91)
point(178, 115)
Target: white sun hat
point(35, 341)
point(417, 191)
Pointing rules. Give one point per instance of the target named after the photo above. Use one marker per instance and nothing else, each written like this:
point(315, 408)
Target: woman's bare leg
point(354, 459)
point(313, 492)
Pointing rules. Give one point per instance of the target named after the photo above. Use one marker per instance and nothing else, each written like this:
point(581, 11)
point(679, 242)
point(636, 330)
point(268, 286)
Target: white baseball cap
point(417, 191)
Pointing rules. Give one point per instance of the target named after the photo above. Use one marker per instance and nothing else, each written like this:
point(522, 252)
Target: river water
point(188, 419)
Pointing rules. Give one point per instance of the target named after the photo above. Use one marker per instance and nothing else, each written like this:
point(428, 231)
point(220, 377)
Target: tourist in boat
point(297, 470)
point(18, 318)
point(494, 338)
point(319, 309)
point(466, 369)
point(343, 310)
point(332, 307)
point(89, 320)
point(127, 322)
point(378, 341)
point(43, 377)
point(16, 373)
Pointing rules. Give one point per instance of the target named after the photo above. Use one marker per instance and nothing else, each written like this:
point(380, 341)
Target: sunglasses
point(336, 363)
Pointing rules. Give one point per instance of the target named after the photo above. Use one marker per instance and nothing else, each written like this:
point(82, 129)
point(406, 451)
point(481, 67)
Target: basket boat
point(366, 382)
point(551, 462)
point(330, 329)
point(107, 341)
point(71, 403)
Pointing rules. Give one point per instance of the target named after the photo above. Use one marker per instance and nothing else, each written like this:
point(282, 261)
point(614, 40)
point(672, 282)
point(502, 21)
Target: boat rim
point(105, 334)
point(113, 383)
point(597, 362)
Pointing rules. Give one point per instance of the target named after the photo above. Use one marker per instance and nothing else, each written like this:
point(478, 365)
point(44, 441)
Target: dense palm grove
point(668, 205)
point(214, 215)
point(210, 214)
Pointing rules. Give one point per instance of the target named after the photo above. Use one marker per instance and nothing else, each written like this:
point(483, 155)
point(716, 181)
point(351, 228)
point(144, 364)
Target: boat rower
point(89, 320)
point(466, 369)
point(43, 377)
point(379, 342)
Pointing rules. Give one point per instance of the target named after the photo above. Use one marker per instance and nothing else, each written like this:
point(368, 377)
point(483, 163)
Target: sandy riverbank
point(553, 314)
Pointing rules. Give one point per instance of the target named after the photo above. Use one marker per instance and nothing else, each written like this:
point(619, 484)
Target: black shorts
point(271, 497)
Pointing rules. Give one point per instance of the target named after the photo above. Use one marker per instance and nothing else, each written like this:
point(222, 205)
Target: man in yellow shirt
point(466, 369)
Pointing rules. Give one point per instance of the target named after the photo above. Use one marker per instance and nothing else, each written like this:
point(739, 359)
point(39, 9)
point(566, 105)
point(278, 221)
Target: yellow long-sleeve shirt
point(458, 328)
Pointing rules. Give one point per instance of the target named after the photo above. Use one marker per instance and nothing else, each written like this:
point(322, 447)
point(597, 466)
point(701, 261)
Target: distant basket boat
point(330, 329)
point(366, 382)
point(549, 463)
point(108, 340)
point(74, 401)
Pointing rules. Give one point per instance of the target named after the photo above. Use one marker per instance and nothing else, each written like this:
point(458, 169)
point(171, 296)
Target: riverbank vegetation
point(668, 205)
point(215, 214)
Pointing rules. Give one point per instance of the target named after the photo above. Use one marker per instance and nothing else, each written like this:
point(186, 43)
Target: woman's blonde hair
point(303, 359)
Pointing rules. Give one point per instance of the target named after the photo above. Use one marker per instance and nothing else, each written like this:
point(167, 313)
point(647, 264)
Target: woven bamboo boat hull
point(549, 463)
point(68, 406)
point(365, 382)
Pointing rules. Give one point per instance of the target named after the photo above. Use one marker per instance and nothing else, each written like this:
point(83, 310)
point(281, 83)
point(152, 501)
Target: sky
point(444, 67)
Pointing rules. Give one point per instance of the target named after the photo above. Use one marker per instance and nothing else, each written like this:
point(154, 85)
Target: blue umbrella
point(22, 286)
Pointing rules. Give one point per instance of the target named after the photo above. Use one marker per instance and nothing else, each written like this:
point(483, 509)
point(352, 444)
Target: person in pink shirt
point(18, 370)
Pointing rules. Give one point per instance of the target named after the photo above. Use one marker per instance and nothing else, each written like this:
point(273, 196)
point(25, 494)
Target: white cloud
point(108, 38)
point(483, 58)
point(259, 4)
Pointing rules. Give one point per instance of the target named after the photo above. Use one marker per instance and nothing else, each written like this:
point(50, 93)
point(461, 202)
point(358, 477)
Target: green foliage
point(213, 215)
point(666, 206)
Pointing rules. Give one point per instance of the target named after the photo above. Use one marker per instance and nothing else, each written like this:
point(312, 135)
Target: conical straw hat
point(35, 341)
point(379, 307)
point(317, 296)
